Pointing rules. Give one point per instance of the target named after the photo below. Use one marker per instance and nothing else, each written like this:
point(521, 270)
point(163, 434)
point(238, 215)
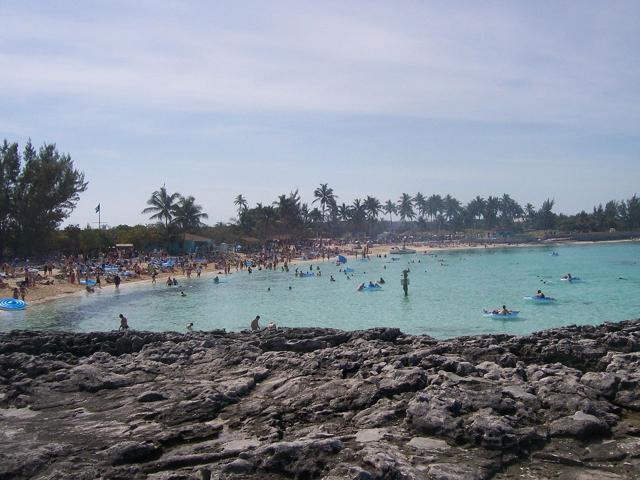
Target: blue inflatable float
point(540, 299)
point(511, 314)
point(87, 282)
point(371, 288)
point(11, 304)
point(341, 259)
point(349, 270)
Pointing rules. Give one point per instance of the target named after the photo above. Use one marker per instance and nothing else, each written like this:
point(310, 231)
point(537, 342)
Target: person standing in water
point(405, 282)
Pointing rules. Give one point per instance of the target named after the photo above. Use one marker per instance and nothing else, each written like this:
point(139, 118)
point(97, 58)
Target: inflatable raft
point(12, 304)
point(540, 299)
point(511, 314)
point(370, 288)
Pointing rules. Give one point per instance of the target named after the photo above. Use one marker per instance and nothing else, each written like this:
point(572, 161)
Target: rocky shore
point(319, 403)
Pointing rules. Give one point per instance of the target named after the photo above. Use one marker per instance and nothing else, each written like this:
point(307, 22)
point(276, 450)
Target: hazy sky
point(534, 98)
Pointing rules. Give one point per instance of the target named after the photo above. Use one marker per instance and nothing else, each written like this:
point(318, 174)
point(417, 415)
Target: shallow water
point(446, 295)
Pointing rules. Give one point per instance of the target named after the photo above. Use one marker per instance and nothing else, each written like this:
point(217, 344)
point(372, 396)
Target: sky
point(215, 99)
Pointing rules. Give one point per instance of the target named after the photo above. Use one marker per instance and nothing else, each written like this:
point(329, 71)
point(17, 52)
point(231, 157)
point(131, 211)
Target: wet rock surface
point(320, 403)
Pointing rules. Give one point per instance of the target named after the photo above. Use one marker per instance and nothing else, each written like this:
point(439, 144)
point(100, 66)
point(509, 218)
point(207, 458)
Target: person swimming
point(540, 294)
point(381, 281)
point(331, 279)
point(360, 287)
point(190, 327)
point(182, 294)
point(216, 279)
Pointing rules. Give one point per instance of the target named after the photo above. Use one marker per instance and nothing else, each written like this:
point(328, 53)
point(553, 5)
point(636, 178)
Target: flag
point(98, 209)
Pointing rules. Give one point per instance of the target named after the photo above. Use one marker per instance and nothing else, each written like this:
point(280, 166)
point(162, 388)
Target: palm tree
point(451, 208)
point(373, 207)
point(241, 203)
point(405, 207)
point(434, 206)
point(358, 212)
point(421, 204)
point(268, 215)
point(187, 214)
point(509, 210)
point(529, 212)
point(162, 205)
point(289, 210)
point(475, 208)
point(389, 208)
point(344, 212)
point(490, 213)
point(324, 194)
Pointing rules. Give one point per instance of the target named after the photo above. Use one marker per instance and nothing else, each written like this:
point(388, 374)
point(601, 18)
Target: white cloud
point(476, 63)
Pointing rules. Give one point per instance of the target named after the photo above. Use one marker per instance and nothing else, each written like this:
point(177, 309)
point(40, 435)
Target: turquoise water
point(446, 295)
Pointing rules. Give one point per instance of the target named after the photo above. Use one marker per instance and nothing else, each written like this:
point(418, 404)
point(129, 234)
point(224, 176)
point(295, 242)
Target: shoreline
point(374, 250)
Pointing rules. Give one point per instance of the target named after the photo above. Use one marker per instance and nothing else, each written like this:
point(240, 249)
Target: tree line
point(289, 218)
point(288, 215)
point(40, 187)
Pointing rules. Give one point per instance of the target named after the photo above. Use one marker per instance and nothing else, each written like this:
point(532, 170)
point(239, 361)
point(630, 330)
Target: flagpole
point(99, 211)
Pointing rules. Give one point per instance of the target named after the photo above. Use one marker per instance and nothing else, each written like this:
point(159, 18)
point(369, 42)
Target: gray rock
point(429, 444)
point(452, 471)
point(319, 403)
point(579, 425)
point(131, 452)
point(151, 396)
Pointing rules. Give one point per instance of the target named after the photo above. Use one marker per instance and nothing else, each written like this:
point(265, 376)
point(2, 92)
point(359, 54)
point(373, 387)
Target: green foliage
point(38, 190)
point(162, 205)
point(405, 207)
point(545, 218)
point(177, 214)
